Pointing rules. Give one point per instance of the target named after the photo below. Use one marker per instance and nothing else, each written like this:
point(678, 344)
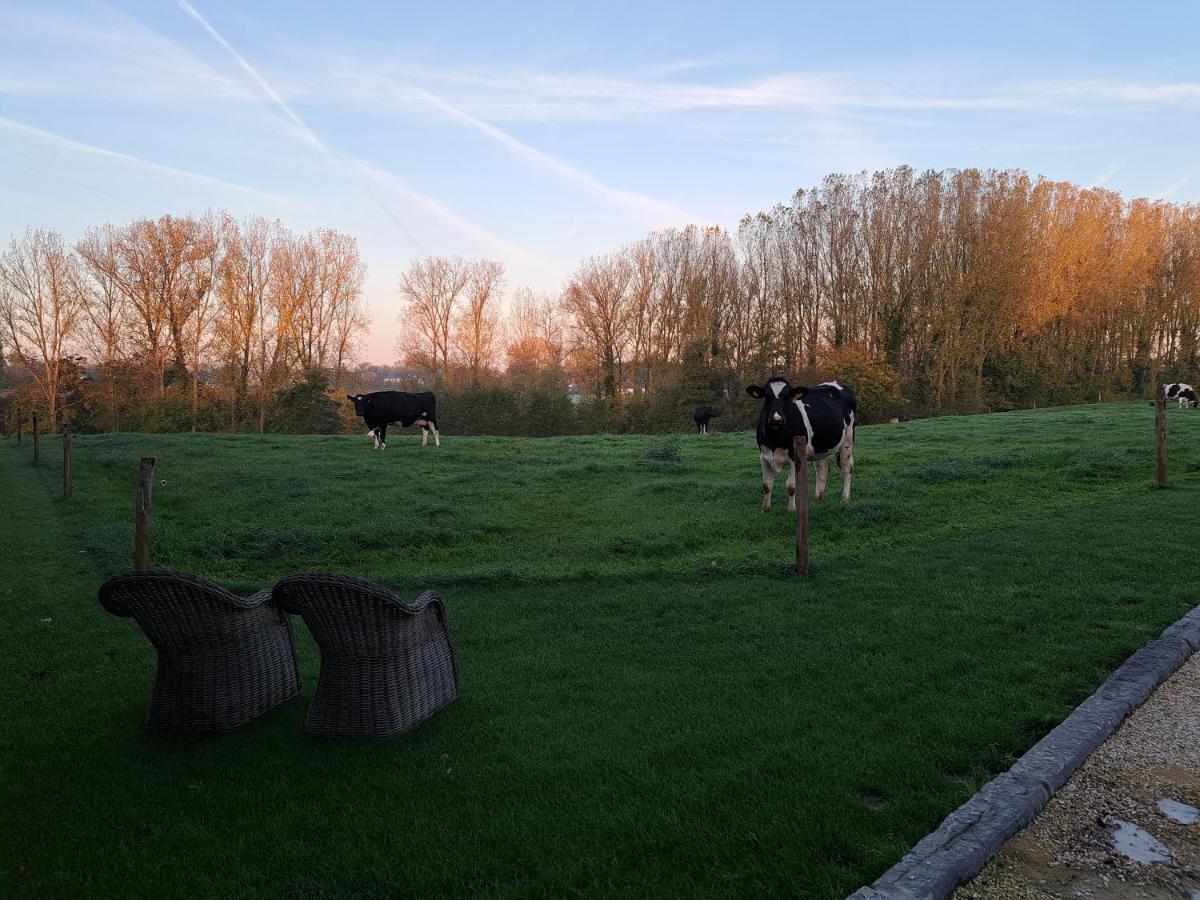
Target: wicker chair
point(386, 665)
point(223, 660)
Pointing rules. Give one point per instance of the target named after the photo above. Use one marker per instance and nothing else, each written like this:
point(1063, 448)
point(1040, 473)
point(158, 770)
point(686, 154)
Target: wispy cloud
point(1106, 176)
point(301, 127)
point(646, 209)
point(106, 56)
point(360, 171)
point(437, 209)
point(523, 94)
point(74, 182)
point(18, 130)
point(1131, 93)
point(306, 133)
point(1172, 190)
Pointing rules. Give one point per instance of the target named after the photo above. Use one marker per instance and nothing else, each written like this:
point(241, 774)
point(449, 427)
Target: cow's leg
point(846, 456)
point(383, 437)
point(375, 436)
point(424, 435)
point(768, 469)
point(437, 435)
point(791, 485)
point(822, 475)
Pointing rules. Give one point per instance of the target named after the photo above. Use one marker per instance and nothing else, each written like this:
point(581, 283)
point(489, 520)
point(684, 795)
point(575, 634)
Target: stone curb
point(971, 835)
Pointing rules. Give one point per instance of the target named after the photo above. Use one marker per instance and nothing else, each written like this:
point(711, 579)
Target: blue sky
point(540, 133)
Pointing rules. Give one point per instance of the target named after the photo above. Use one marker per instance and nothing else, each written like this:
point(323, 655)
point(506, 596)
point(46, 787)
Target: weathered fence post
point(67, 462)
point(141, 515)
point(35, 438)
point(1160, 435)
point(800, 450)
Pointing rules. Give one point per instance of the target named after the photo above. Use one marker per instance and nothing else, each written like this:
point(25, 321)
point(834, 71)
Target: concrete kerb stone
point(970, 836)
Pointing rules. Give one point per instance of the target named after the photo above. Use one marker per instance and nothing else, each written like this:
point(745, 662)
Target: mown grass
point(652, 704)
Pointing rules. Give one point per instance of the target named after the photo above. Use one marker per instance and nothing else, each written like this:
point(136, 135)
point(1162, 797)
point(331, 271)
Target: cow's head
point(360, 403)
point(778, 399)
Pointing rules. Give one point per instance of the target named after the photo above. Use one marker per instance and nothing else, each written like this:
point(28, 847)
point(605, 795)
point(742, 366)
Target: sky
point(538, 134)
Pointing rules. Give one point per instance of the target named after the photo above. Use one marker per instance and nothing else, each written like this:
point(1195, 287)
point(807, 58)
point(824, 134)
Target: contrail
point(137, 161)
point(71, 181)
point(439, 210)
point(654, 211)
point(309, 136)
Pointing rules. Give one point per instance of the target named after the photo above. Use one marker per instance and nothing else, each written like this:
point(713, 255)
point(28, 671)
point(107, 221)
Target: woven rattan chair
point(223, 660)
point(386, 665)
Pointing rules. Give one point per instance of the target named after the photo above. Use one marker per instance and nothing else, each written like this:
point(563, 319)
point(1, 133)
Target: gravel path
point(1127, 823)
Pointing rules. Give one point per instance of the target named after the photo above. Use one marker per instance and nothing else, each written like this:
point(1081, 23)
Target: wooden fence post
point(67, 462)
point(35, 438)
point(141, 515)
point(800, 450)
point(1160, 435)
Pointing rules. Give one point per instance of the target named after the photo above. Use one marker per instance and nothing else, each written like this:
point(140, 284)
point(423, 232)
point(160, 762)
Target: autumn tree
point(42, 302)
point(596, 301)
point(476, 324)
point(432, 289)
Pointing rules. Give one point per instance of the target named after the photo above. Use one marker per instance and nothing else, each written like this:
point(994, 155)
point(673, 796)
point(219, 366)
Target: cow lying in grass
point(383, 408)
point(824, 414)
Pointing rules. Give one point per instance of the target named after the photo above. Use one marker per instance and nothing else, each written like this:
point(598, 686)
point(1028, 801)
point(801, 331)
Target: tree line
point(180, 322)
point(962, 290)
point(935, 291)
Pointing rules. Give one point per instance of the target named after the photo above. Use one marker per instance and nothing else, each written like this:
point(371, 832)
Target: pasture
point(652, 703)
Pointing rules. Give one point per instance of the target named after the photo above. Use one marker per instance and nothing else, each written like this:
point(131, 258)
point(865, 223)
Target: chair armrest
point(260, 597)
point(422, 601)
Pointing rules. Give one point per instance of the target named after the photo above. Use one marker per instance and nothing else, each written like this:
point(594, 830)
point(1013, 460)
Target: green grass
point(652, 704)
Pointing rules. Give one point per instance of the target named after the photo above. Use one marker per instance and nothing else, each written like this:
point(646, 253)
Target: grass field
point(652, 704)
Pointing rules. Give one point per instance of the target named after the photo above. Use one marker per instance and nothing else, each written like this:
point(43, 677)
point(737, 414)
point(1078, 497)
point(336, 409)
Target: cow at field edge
point(383, 408)
point(701, 417)
point(824, 413)
point(1184, 393)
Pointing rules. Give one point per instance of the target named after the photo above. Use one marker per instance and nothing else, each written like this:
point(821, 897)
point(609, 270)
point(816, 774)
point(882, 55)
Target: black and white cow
point(701, 417)
point(1184, 393)
point(825, 413)
point(383, 408)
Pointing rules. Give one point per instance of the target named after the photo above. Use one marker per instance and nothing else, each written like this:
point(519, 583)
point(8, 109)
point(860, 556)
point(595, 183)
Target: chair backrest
point(346, 615)
point(181, 612)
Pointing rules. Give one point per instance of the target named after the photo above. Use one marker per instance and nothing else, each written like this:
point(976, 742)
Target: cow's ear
point(756, 392)
point(799, 393)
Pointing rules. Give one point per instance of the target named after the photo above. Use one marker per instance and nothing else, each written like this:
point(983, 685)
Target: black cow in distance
point(383, 408)
point(701, 417)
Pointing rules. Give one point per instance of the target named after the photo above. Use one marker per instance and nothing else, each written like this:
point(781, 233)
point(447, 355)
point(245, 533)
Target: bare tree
point(42, 299)
point(198, 289)
point(597, 300)
point(534, 334)
point(108, 312)
point(475, 328)
point(343, 277)
point(431, 290)
point(244, 286)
